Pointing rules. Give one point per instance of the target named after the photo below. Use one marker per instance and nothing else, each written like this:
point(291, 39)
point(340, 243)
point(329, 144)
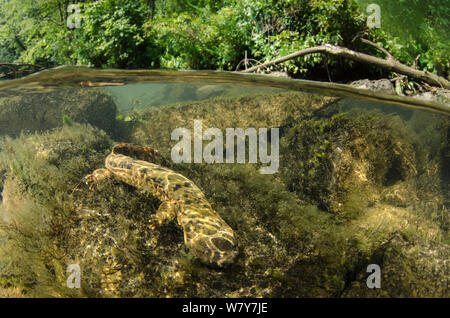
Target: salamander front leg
point(96, 176)
point(166, 212)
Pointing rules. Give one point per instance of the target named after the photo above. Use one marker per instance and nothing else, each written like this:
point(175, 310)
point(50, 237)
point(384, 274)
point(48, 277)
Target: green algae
point(67, 121)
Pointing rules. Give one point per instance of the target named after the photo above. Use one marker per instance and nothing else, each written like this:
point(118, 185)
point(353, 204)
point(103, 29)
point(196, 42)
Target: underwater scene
point(117, 183)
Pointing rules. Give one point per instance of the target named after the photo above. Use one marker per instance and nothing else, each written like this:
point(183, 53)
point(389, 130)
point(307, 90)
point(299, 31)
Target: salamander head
point(206, 234)
point(212, 241)
point(220, 251)
point(141, 153)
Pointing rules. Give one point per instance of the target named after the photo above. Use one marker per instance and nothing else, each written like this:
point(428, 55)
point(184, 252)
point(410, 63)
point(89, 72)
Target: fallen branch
point(21, 64)
point(16, 69)
point(248, 60)
point(389, 63)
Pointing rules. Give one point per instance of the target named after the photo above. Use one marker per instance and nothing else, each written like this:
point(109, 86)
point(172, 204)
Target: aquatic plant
point(66, 120)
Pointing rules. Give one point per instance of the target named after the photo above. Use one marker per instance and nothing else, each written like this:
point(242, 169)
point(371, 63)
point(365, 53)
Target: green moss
point(355, 202)
point(67, 121)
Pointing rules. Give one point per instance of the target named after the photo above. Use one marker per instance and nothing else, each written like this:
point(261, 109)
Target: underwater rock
point(400, 194)
point(260, 110)
point(44, 111)
point(409, 268)
point(342, 163)
point(209, 91)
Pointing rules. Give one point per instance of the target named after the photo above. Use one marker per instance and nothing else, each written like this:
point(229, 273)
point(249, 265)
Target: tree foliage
point(413, 27)
point(213, 34)
point(112, 35)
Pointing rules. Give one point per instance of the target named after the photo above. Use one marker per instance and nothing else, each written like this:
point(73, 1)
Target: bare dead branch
point(416, 61)
point(380, 48)
point(20, 65)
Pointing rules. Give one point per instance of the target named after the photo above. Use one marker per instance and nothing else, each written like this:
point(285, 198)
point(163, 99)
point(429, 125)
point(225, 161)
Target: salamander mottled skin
point(206, 234)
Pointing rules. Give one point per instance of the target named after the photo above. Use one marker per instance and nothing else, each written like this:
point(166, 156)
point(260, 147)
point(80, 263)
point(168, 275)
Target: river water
point(314, 181)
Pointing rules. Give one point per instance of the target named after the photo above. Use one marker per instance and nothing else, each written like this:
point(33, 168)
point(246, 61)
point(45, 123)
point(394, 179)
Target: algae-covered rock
point(44, 111)
point(343, 162)
point(400, 194)
point(154, 126)
point(409, 268)
point(41, 172)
